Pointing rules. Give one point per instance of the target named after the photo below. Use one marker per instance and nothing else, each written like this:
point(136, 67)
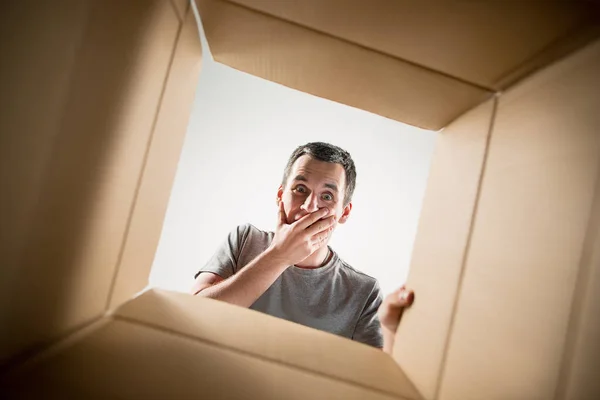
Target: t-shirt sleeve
point(224, 262)
point(368, 328)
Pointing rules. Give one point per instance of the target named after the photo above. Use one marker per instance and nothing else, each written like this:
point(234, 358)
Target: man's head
point(318, 175)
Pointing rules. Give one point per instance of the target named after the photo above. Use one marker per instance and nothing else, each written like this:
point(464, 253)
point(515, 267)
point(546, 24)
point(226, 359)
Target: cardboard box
point(506, 263)
point(173, 345)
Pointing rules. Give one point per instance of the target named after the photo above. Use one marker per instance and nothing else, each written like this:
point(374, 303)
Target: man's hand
point(295, 242)
point(390, 313)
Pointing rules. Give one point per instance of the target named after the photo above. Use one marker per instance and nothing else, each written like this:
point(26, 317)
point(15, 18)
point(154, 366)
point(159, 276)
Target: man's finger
point(310, 219)
point(321, 225)
point(320, 238)
point(401, 298)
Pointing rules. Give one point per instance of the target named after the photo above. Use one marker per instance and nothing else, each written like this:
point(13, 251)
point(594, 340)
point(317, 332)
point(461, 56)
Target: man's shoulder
point(248, 229)
point(252, 240)
point(251, 230)
point(356, 275)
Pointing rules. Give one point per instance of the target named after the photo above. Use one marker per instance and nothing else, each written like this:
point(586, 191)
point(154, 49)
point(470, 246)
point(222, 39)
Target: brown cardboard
point(220, 324)
point(158, 173)
point(441, 244)
point(506, 262)
point(423, 65)
point(477, 42)
point(52, 49)
point(74, 190)
point(173, 345)
point(181, 8)
point(334, 69)
point(513, 308)
point(581, 358)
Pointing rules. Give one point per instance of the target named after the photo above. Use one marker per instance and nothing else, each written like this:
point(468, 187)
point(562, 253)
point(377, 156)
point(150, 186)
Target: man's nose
point(311, 204)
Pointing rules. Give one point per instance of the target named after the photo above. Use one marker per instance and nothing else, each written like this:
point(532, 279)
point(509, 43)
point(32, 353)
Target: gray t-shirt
point(335, 297)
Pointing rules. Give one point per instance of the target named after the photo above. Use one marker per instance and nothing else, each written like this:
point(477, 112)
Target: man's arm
point(204, 280)
point(291, 244)
point(390, 313)
point(245, 287)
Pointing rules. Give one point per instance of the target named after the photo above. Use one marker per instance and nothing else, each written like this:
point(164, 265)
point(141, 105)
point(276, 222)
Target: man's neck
point(316, 260)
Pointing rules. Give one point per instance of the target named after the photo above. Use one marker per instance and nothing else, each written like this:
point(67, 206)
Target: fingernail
point(326, 210)
point(407, 296)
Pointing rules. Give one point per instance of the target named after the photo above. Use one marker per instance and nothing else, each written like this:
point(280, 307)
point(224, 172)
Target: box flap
point(251, 332)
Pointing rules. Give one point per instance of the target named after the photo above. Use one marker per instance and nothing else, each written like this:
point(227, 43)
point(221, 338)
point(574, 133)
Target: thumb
point(390, 311)
point(402, 298)
point(281, 220)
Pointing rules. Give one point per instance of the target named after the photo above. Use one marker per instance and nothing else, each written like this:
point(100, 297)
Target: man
point(292, 273)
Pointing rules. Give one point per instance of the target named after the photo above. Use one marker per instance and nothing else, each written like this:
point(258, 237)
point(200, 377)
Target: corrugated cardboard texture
point(441, 244)
point(84, 81)
point(420, 64)
point(161, 162)
point(512, 320)
point(172, 345)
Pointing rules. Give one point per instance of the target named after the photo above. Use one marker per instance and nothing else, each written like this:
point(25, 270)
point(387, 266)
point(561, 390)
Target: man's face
point(311, 185)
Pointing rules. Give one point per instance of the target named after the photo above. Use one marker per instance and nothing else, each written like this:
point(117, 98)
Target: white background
point(241, 132)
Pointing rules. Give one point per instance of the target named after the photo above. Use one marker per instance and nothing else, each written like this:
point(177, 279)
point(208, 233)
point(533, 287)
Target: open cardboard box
point(506, 264)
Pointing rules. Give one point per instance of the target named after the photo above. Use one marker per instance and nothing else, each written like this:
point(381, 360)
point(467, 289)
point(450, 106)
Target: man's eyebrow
point(332, 186)
point(300, 178)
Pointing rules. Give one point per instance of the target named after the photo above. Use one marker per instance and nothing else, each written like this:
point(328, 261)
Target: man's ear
point(279, 194)
point(345, 214)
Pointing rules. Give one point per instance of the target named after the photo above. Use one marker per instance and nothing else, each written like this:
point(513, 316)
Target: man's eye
point(327, 197)
point(300, 189)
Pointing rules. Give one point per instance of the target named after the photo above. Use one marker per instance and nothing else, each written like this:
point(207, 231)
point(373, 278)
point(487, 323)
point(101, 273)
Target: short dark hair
point(328, 153)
